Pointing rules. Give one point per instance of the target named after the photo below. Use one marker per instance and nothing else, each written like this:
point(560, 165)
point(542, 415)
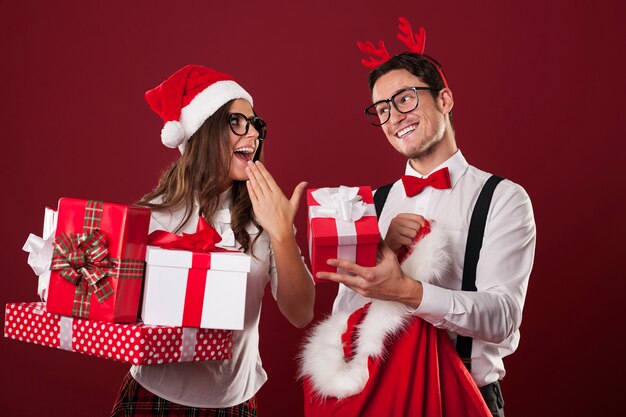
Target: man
point(413, 106)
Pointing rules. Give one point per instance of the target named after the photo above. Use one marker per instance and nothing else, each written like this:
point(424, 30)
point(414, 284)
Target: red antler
point(416, 43)
point(378, 54)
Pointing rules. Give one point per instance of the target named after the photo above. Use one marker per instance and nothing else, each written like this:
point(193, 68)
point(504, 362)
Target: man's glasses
point(240, 124)
point(404, 101)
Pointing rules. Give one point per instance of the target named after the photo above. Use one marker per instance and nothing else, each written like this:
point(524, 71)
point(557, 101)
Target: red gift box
point(136, 343)
point(331, 237)
point(98, 261)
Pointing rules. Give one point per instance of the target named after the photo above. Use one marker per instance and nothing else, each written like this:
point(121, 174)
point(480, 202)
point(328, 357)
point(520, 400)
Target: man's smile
point(402, 132)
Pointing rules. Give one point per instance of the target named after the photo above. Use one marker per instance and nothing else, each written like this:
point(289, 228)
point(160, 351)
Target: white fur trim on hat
point(172, 134)
point(205, 103)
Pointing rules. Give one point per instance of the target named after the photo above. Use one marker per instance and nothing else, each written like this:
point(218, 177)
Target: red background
point(539, 99)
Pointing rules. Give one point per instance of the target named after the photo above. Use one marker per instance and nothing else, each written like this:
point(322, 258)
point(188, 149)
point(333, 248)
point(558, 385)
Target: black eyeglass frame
point(258, 123)
point(391, 100)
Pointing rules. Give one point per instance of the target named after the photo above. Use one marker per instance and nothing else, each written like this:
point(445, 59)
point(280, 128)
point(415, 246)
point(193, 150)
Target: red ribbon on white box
point(346, 206)
point(194, 293)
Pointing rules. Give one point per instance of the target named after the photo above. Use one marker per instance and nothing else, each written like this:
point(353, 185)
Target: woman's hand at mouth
point(271, 207)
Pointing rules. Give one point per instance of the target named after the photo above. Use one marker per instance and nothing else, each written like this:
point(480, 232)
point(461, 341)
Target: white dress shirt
point(493, 314)
point(217, 384)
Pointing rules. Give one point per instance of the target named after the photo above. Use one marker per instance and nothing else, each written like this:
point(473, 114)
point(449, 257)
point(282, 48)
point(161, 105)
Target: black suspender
point(472, 253)
point(472, 249)
point(380, 197)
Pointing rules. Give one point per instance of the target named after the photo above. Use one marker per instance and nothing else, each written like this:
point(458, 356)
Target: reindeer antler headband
point(415, 42)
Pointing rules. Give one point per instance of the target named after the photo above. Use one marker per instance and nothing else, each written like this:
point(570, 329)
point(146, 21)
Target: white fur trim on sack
point(322, 358)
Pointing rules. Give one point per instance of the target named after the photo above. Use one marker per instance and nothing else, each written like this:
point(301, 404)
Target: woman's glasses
point(240, 124)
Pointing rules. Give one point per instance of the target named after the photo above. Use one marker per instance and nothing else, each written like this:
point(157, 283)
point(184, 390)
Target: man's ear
point(446, 101)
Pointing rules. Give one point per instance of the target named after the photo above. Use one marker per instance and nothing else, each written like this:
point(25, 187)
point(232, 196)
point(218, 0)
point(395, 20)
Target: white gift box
point(191, 289)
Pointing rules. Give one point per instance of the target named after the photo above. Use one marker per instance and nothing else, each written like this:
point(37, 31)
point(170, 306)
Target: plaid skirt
point(135, 400)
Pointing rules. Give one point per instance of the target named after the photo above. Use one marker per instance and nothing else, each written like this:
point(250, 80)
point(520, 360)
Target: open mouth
point(244, 153)
point(401, 133)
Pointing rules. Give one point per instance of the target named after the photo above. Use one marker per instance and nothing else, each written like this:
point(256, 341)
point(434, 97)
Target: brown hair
point(199, 174)
point(422, 66)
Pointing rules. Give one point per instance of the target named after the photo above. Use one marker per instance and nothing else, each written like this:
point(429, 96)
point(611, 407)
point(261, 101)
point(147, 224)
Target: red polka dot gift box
point(137, 343)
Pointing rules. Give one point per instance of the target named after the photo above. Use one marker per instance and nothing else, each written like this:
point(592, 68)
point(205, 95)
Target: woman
point(219, 176)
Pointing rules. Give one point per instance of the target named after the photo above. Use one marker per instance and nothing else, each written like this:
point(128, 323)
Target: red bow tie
point(439, 179)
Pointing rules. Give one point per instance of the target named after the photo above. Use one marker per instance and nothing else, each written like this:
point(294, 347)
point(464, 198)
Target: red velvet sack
point(420, 374)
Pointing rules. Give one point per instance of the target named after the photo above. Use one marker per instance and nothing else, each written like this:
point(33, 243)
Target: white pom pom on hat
point(173, 134)
point(189, 97)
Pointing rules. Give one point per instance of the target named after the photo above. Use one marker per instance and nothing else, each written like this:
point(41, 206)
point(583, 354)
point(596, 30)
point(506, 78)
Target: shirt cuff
point(436, 303)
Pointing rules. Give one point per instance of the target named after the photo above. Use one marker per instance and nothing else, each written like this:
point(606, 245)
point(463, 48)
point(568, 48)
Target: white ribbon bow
point(346, 206)
point(40, 252)
point(343, 203)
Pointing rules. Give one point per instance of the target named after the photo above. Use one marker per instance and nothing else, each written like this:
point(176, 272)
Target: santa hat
point(189, 97)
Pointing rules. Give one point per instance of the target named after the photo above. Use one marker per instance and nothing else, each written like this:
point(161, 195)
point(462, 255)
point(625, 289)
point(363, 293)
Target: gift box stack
point(342, 224)
point(95, 281)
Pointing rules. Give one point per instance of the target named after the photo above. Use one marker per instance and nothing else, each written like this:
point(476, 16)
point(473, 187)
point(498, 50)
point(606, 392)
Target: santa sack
point(381, 361)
